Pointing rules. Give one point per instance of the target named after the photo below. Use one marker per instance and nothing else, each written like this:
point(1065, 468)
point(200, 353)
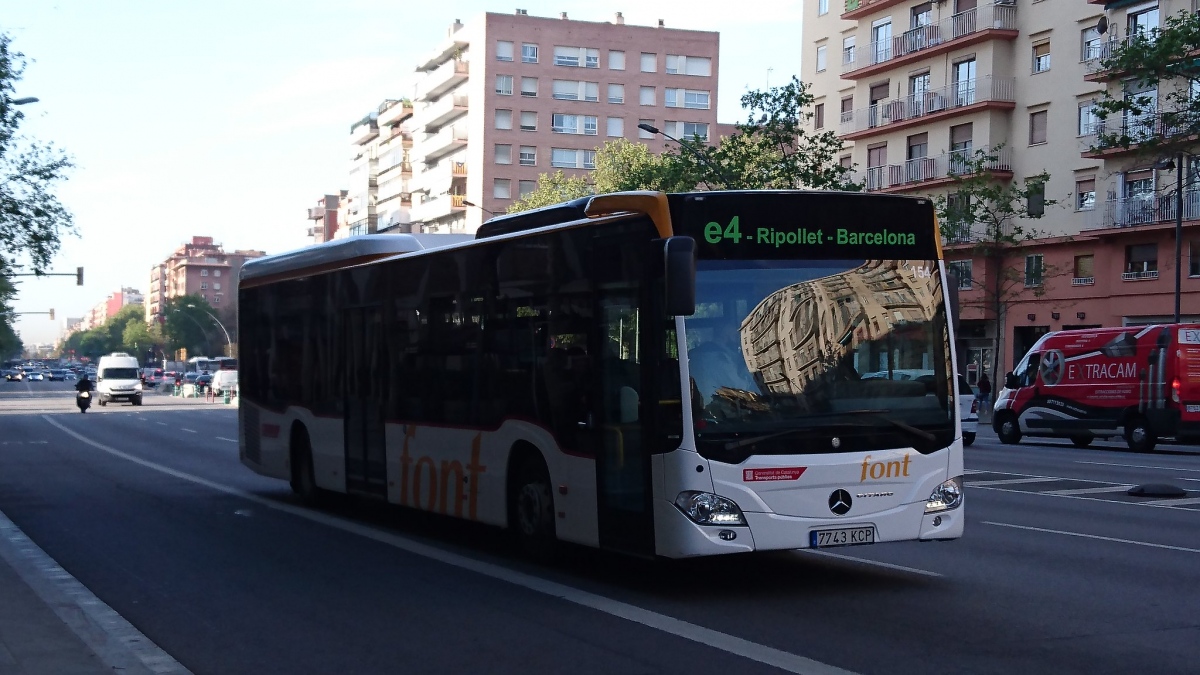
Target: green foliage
point(772, 150)
point(190, 326)
point(552, 189)
point(1168, 60)
point(125, 331)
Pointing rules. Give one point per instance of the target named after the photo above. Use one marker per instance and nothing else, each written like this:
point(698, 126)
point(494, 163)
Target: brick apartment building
point(199, 267)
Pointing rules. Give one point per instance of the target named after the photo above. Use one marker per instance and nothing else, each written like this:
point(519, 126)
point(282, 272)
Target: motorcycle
point(83, 400)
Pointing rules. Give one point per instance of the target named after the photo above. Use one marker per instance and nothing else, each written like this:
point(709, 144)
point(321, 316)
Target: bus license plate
point(850, 536)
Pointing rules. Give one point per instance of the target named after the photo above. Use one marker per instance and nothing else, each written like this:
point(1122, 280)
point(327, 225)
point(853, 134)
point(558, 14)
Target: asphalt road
point(1059, 571)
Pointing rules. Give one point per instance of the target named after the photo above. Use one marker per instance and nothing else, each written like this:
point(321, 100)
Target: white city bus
point(673, 375)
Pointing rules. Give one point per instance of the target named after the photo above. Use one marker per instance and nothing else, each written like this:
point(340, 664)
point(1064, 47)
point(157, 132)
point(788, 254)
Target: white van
point(118, 378)
point(224, 380)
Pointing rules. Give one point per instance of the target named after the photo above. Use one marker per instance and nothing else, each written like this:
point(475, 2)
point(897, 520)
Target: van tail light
point(975, 406)
point(1175, 386)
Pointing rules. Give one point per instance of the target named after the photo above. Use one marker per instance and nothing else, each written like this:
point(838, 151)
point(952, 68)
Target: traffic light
point(78, 276)
point(52, 314)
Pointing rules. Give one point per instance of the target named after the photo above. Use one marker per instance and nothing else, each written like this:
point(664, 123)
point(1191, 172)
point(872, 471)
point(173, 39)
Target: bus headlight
point(705, 508)
point(947, 496)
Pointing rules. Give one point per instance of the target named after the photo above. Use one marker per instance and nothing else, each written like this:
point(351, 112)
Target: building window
point(1089, 123)
point(616, 60)
point(1084, 270)
point(574, 90)
point(1141, 261)
point(504, 84)
point(525, 187)
point(616, 127)
point(577, 57)
point(528, 120)
point(686, 98)
point(529, 86)
point(216, 287)
point(642, 133)
point(502, 188)
point(646, 95)
point(1090, 44)
point(529, 53)
point(504, 50)
point(503, 119)
point(574, 124)
point(847, 50)
point(203, 273)
point(1033, 270)
point(503, 154)
point(822, 52)
point(616, 93)
point(217, 299)
point(958, 217)
point(1085, 194)
point(1037, 127)
point(566, 158)
point(819, 116)
point(528, 155)
point(678, 64)
point(962, 271)
point(846, 162)
point(1194, 258)
point(822, 7)
point(204, 286)
point(1041, 57)
point(1142, 21)
point(649, 63)
point(686, 130)
point(216, 273)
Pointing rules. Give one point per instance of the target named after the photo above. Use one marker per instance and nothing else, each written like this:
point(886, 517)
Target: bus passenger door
point(366, 465)
point(625, 515)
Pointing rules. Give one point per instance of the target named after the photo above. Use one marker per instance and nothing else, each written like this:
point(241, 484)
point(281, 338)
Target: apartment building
point(325, 217)
point(915, 88)
point(506, 97)
point(202, 267)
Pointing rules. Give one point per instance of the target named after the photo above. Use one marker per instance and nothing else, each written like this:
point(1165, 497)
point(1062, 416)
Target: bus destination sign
point(715, 233)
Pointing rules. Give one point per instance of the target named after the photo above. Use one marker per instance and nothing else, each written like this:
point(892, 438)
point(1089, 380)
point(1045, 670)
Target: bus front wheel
point(531, 507)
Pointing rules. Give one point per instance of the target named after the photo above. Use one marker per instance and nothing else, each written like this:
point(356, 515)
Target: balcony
point(1108, 138)
point(444, 51)
point(443, 79)
point(856, 9)
point(316, 213)
point(953, 99)
point(1146, 275)
point(394, 112)
point(1141, 210)
point(441, 111)
point(441, 176)
point(436, 146)
point(1083, 281)
point(960, 30)
point(364, 130)
point(928, 172)
point(437, 206)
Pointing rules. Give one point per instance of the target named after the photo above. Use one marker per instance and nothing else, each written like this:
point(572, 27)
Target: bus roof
point(341, 253)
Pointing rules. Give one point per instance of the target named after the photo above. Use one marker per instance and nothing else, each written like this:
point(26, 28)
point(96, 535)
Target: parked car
point(203, 382)
point(224, 380)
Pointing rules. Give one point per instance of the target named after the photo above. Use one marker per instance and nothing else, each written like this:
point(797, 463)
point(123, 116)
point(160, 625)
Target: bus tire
point(1008, 430)
point(1138, 434)
point(1082, 441)
point(304, 482)
point(531, 505)
point(968, 438)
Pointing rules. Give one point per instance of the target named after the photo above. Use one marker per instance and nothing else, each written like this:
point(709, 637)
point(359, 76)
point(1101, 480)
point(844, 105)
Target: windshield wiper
point(877, 414)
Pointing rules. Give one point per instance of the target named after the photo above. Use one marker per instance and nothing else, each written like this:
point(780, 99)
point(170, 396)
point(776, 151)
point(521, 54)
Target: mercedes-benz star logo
point(839, 502)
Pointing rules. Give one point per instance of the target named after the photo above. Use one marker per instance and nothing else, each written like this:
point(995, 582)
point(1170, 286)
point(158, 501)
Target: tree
point(31, 218)
point(1164, 120)
point(990, 215)
point(772, 150)
point(189, 326)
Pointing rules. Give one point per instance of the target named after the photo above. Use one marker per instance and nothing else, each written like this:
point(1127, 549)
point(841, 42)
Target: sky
point(229, 118)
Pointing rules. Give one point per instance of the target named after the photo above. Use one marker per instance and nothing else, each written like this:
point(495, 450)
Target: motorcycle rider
point(84, 384)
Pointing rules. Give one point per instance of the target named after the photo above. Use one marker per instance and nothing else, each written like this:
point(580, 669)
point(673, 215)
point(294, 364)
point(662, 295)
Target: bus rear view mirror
point(679, 261)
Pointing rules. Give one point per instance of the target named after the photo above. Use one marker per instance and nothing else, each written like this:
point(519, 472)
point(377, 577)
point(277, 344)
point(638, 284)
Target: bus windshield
point(791, 356)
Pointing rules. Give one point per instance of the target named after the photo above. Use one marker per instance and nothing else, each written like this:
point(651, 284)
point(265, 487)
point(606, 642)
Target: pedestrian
point(983, 391)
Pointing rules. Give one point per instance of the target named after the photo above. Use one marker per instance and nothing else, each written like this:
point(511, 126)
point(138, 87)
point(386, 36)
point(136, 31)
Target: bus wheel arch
point(530, 499)
point(303, 481)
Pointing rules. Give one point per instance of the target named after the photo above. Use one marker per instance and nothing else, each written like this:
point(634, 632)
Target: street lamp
point(228, 342)
point(1178, 166)
point(23, 101)
point(467, 203)
point(650, 128)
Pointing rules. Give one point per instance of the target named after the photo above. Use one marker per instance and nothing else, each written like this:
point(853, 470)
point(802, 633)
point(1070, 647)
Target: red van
point(1139, 382)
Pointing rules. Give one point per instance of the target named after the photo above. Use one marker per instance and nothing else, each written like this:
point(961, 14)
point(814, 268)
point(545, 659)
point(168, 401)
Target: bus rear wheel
point(531, 508)
point(304, 482)
point(1008, 430)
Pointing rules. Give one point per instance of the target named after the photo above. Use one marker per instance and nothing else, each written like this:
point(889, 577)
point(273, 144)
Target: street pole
point(228, 342)
point(1179, 171)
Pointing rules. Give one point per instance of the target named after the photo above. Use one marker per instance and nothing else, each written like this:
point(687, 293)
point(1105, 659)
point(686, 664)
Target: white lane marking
point(1197, 480)
point(162, 423)
point(1050, 493)
point(890, 566)
point(1095, 536)
point(222, 438)
point(115, 641)
point(786, 661)
point(1087, 491)
point(190, 431)
point(1014, 481)
point(1179, 501)
point(1140, 466)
